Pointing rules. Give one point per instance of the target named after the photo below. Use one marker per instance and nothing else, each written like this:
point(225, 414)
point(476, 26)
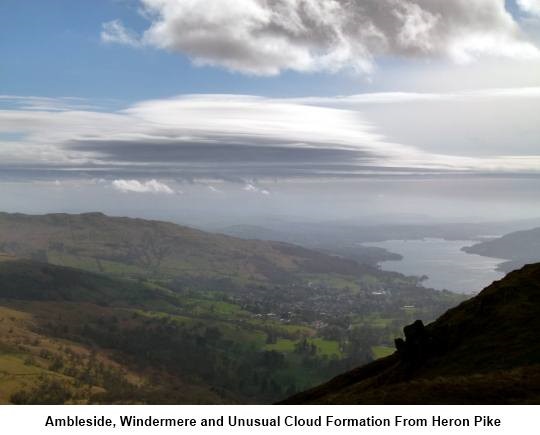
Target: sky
point(230, 109)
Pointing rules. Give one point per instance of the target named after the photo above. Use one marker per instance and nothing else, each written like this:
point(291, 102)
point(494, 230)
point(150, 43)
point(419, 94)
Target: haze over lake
point(443, 261)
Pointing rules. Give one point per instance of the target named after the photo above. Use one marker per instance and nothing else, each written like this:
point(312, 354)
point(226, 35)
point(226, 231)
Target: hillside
point(22, 279)
point(137, 247)
point(50, 350)
point(519, 248)
point(484, 351)
point(91, 338)
point(209, 318)
point(95, 339)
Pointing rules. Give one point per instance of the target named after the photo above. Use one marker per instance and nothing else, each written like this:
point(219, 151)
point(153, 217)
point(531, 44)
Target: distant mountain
point(519, 248)
point(323, 242)
point(339, 233)
point(346, 238)
point(255, 232)
point(485, 351)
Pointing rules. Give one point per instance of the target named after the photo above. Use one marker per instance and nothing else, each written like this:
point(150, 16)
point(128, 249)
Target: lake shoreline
point(445, 264)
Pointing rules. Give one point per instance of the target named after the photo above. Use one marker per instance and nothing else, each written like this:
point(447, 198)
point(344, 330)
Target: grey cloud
point(268, 36)
point(223, 152)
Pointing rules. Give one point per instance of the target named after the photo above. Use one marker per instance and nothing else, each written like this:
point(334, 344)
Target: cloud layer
point(265, 37)
point(248, 138)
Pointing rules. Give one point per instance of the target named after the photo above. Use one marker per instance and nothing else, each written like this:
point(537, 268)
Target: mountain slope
point(51, 318)
point(485, 350)
point(137, 247)
point(243, 321)
point(520, 247)
point(91, 338)
point(22, 279)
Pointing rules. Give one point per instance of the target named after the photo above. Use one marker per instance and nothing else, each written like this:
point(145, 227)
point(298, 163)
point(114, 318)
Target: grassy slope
point(39, 303)
point(29, 280)
point(124, 246)
point(487, 352)
point(47, 309)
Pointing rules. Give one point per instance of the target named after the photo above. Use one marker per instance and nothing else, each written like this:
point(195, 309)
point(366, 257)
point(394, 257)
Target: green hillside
point(236, 321)
point(96, 339)
point(483, 351)
point(29, 280)
point(48, 355)
point(137, 247)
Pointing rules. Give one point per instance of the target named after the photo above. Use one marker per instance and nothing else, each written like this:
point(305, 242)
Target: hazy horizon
point(296, 112)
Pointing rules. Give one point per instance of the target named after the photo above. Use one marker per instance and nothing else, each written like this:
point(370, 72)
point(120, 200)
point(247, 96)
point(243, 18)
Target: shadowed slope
point(486, 350)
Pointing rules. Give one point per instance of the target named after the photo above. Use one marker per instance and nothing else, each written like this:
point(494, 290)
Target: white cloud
point(406, 97)
point(151, 186)
point(114, 32)
point(45, 103)
point(530, 6)
point(211, 118)
point(250, 187)
point(268, 36)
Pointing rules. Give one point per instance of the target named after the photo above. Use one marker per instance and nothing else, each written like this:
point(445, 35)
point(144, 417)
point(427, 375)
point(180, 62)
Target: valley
point(159, 313)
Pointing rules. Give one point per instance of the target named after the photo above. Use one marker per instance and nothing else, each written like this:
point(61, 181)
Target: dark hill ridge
point(484, 351)
point(27, 280)
point(71, 336)
point(126, 246)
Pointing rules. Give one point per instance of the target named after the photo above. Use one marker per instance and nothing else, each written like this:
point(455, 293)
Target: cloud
point(45, 103)
point(239, 138)
point(114, 32)
point(530, 6)
point(265, 37)
point(523, 93)
point(151, 186)
point(249, 187)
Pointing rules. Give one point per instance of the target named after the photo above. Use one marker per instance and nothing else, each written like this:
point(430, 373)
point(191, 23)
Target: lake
point(446, 266)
